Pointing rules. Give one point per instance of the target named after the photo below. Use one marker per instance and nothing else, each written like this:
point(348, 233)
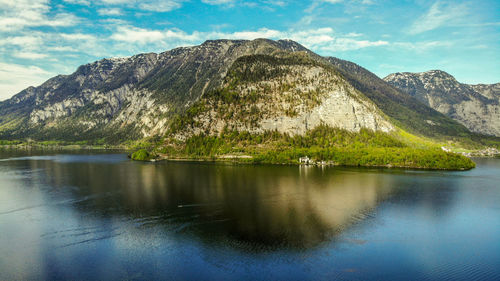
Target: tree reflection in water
point(275, 206)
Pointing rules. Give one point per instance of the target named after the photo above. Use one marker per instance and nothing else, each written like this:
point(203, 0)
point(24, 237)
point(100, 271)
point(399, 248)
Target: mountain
point(284, 92)
point(278, 84)
point(125, 98)
point(261, 101)
point(405, 110)
point(475, 106)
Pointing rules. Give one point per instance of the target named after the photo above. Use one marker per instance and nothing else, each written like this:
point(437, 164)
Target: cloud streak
point(110, 12)
point(14, 78)
point(16, 15)
point(438, 15)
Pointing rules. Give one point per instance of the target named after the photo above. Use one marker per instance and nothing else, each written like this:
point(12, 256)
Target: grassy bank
point(323, 145)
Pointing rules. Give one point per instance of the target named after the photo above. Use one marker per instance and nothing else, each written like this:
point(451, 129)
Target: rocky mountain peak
point(475, 106)
point(437, 73)
point(439, 79)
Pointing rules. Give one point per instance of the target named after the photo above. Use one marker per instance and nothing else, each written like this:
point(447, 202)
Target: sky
point(42, 38)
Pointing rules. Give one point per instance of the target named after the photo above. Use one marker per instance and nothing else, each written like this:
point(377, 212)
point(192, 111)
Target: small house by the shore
point(305, 160)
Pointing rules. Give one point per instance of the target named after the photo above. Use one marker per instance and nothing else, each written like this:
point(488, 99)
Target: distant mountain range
point(255, 86)
point(477, 107)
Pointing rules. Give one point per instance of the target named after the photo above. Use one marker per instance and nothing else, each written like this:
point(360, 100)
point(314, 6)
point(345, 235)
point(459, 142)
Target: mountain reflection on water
point(61, 214)
point(270, 205)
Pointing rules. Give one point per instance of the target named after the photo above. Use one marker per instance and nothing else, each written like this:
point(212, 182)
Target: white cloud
point(263, 4)
point(217, 2)
point(348, 44)
point(349, 4)
point(22, 41)
point(62, 49)
point(354, 34)
point(77, 36)
point(113, 21)
point(146, 5)
point(423, 45)
point(78, 2)
point(480, 24)
point(332, 1)
point(364, 2)
point(109, 11)
point(275, 3)
point(438, 15)
point(160, 6)
point(29, 55)
point(14, 78)
point(247, 35)
point(16, 15)
point(143, 36)
point(114, 2)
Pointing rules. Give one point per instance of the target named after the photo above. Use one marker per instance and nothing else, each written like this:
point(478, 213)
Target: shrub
point(142, 155)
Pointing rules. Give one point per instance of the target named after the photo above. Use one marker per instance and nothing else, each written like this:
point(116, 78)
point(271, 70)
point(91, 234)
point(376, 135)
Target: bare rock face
point(290, 93)
point(475, 106)
point(491, 91)
point(338, 109)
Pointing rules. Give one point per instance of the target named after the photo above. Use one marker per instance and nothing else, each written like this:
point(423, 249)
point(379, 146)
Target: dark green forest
point(323, 144)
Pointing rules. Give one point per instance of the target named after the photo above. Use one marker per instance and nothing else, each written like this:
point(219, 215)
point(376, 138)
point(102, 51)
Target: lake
point(93, 215)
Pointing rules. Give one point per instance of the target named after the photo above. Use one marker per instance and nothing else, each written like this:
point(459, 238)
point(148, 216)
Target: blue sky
point(42, 38)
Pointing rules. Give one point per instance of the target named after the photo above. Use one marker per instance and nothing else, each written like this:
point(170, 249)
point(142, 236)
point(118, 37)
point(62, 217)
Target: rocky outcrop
point(338, 109)
point(491, 91)
point(475, 106)
point(291, 94)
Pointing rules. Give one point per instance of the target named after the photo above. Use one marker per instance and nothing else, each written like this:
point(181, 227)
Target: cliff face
point(475, 106)
point(287, 92)
point(246, 85)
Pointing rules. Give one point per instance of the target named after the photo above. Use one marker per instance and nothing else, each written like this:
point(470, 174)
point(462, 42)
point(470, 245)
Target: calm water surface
point(83, 216)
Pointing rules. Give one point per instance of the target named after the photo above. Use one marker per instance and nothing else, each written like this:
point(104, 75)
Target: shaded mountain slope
point(405, 110)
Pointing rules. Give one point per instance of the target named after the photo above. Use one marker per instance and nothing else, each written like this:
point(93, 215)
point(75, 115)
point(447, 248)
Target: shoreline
point(235, 160)
point(128, 149)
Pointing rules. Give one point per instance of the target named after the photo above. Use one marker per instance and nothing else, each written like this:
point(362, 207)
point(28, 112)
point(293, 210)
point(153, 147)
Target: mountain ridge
point(137, 96)
point(108, 84)
point(420, 119)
